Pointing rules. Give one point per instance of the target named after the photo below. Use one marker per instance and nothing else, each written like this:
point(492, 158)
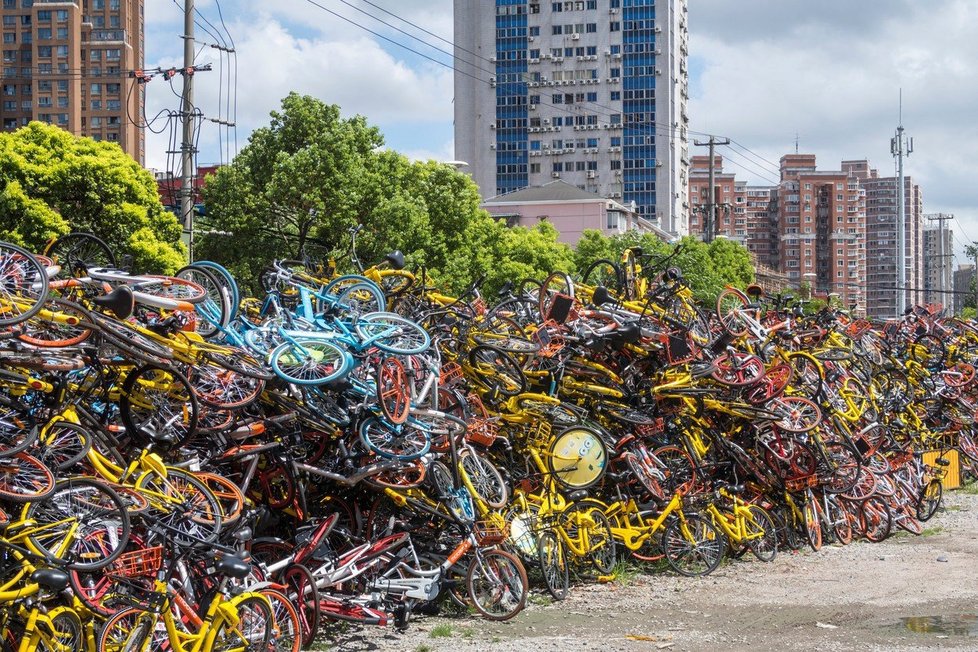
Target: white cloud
point(771, 69)
point(331, 60)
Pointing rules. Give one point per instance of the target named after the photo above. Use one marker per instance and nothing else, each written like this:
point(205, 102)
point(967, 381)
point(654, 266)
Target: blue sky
point(762, 71)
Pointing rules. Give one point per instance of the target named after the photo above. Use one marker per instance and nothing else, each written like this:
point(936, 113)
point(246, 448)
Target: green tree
point(52, 182)
point(301, 182)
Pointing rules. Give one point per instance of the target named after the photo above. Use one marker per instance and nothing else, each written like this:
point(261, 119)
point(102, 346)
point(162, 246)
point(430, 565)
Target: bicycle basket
point(488, 533)
point(482, 432)
point(537, 434)
point(657, 427)
point(801, 483)
point(549, 339)
point(560, 309)
point(678, 349)
point(137, 563)
point(450, 373)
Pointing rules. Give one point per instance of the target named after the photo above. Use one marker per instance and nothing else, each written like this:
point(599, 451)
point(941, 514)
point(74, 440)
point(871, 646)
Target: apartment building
point(938, 260)
point(68, 63)
point(591, 92)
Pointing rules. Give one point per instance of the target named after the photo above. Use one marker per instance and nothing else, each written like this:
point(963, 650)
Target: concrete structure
point(68, 63)
point(570, 209)
point(592, 92)
point(962, 286)
point(881, 248)
point(938, 257)
point(744, 212)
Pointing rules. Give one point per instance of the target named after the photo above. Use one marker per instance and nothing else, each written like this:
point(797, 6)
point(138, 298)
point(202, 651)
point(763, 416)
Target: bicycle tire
point(486, 479)
point(240, 361)
point(24, 478)
point(47, 333)
point(392, 390)
point(505, 577)
point(221, 388)
point(558, 283)
point(764, 548)
point(63, 445)
point(301, 587)
point(306, 361)
point(228, 495)
point(129, 629)
point(214, 311)
point(287, 633)
point(392, 333)
point(168, 288)
point(876, 519)
point(227, 280)
point(351, 295)
point(158, 405)
point(553, 564)
point(693, 546)
point(122, 336)
point(400, 442)
point(812, 512)
point(18, 430)
point(76, 252)
point(23, 285)
point(496, 370)
point(605, 273)
point(253, 629)
point(91, 512)
point(929, 500)
point(187, 507)
point(729, 301)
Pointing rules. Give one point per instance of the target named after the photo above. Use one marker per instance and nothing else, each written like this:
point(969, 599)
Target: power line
point(751, 171)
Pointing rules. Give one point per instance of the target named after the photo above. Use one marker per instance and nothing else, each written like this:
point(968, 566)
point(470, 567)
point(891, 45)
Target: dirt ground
point(907, 593)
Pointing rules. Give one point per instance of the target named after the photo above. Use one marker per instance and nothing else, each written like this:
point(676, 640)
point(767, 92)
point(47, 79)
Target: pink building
point(570, 209)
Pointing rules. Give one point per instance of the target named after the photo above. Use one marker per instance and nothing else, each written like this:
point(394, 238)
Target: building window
point(615, 26)
point(44, 16)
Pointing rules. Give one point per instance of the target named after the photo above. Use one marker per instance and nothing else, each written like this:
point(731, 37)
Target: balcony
point(108, 36)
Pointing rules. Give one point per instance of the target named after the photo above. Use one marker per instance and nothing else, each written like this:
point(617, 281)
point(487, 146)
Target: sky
point(762, 72)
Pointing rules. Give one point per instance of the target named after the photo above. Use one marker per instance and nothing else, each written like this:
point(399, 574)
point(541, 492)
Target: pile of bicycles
point(184, 467)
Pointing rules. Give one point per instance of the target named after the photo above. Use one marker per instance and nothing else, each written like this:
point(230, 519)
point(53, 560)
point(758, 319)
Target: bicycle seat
point(505, 289)
point(396, 259)
point(120, 301)
point(575, 496)
point(233, 567)
point(735, 488)
point(601, 296)
point(51, 578)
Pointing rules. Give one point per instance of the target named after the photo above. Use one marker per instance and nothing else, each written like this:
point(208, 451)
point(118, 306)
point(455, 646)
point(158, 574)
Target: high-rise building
point(963, 276)
point(68, 63)
point(592, 92)
point(938, 257)
point(881, 242)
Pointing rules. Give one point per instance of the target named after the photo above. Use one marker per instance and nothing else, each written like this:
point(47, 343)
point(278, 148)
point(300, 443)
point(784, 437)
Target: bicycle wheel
point(226, 280)
point(765, 546)
point(18, 431)
point(158, 406)
point(214, 312)
point(67, 634)
point(83, 523)
point(186, 507)
point(558, 284)
point(929, 500)
point(843, 466)
point(807, 375)
point(126, 631)
point(677, 467)
point(401, 442)
point(553, 563)
point(875, 519)
point(63, 445)
point(485, 478)
point(737, 369)
point(351, 295)
point(45, 332)
point(794, 413)
point(392, 333)
point(813, 522)
point(497, 584)
point(301, 589)
point(23, 285)
point(228, 496)
point(287, 634)
point(305, 361)
point(576, 458)
point(76, 252)
point(24, 478)
point(496, 370)
point(693, 546)
point(393, 391)
point(731, 303)
point(221, 388)
point(169, 287)
point(605, 273)
point(253, 629)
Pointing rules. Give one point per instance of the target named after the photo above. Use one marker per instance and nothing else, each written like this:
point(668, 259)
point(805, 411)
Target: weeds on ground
point(931, 531)
point(423, 648)
point(443, 630)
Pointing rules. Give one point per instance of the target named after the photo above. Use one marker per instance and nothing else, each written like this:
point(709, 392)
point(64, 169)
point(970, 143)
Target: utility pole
point(711, 220)
point(900, 147)
point(186, 113)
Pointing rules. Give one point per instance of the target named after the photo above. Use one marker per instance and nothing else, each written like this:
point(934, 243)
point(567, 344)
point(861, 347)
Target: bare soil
point(907, 593)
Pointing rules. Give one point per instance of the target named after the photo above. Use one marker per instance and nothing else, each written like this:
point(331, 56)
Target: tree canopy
point(308, 176)
point(52, 183)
